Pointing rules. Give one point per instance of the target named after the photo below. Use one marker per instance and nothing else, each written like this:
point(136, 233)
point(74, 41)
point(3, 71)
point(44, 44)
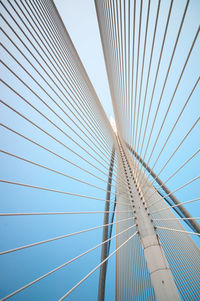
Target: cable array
point(58, 143)
point(71, 185)
point(154, 83)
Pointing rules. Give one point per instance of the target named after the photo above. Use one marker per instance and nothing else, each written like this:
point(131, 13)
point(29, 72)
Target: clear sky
point(18, 268)
point(80, 20)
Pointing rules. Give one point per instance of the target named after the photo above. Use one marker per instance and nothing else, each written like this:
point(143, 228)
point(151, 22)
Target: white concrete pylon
point(159, 270)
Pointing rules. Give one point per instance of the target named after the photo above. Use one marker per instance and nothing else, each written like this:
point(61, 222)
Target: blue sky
point(80, 20)
point(21, 267)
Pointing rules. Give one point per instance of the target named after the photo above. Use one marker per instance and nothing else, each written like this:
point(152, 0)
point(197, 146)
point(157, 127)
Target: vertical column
point(105, 247)
point(159, 270)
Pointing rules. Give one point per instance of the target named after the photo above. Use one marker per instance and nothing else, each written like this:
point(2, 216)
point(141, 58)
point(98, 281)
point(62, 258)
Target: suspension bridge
point(93, 209)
